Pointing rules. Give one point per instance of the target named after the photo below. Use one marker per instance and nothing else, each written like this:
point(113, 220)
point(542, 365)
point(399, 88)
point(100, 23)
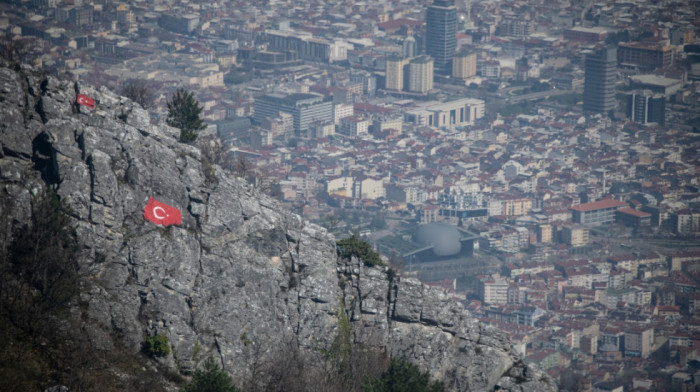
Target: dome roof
point(444, 238)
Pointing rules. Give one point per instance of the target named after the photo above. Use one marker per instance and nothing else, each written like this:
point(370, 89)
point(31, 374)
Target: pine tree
point(211, 379)
point(184, 113)
point(403, 376)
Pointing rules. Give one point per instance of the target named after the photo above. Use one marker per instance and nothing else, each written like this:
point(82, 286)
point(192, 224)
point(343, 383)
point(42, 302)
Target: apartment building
point(304, 108)
point(645, 56)
point(464, 65)
point(597, 213)
point(420, 74)
point(574, 236)
point(493, 290)
point(639, 342)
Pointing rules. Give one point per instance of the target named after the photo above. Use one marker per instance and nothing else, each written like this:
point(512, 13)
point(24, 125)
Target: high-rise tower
point(395, 73)
point(599, 87)
point(441, 42)
point(420, 74)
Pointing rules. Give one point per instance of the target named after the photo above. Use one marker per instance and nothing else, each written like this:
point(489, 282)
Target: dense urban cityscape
point(535, 159)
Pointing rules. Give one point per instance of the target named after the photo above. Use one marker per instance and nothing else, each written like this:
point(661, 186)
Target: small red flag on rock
point(161, 213)
point(86, 101)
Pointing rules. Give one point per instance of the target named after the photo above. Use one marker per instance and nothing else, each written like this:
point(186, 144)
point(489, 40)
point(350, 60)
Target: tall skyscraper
point(599, 86)
point(441, 42)
point(420, 74)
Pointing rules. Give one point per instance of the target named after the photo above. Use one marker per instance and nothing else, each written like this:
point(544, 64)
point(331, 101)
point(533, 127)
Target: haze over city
point(536, 161)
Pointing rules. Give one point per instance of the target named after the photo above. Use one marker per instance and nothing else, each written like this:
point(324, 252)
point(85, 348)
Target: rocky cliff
point(239, 272)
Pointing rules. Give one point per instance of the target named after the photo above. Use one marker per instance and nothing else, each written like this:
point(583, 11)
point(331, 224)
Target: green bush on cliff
point(354, 246)
point(210, 379)
point(157, 346)
point(403, 376)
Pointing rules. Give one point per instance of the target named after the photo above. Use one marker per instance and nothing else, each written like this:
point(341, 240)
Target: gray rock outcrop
point(239, 271)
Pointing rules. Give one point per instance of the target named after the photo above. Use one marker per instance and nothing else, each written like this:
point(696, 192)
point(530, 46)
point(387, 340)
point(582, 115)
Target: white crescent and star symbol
point(155, 213)
point(161, 213)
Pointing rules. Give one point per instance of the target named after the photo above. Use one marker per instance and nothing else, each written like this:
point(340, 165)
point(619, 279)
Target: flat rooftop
point(654, 80)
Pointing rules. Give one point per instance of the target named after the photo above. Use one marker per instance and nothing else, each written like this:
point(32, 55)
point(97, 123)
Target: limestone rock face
point(240, 276)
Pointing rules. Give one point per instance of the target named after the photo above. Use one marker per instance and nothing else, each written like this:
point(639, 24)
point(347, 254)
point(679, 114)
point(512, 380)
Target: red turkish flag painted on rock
point(161, 213)
point(86, 101)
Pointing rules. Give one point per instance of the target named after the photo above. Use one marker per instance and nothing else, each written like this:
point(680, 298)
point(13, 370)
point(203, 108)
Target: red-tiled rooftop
point(598, 205)
point(633, 212)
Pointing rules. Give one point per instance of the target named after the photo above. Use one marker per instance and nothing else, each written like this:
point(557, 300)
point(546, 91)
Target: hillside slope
point(240, 279)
